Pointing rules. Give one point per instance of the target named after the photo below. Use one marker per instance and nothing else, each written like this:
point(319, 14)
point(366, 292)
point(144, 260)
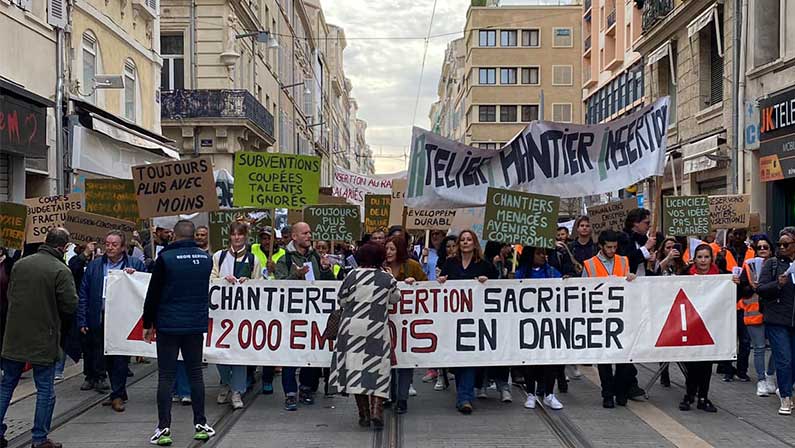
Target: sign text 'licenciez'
point(269, 180)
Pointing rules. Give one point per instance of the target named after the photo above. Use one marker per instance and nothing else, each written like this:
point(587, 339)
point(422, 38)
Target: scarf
point(228, 266)
point(713, 270)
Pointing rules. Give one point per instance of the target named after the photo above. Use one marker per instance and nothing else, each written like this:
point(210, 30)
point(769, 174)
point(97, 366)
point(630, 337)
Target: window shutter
point(4, 177)
point(716, 73)
point(56, 13)
point(561, 75)
point(152, 4)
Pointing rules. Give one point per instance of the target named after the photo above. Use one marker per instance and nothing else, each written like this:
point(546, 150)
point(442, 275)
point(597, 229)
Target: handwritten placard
point(523, 218)
point(435, 219)
point(47, 212)
point(175, 187)
point(268, 180)
point(610, 216)
point(469, 219)
point(12, 225)
point(112, 197)
point(376, 211)
point(686, 215)
point(334, 222)
point(730, 211)
point(397, 204)
point(220, 220)
point(86, 227)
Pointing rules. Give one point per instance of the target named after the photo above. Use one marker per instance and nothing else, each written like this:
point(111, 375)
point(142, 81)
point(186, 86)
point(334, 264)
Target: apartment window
point(507, 114)
point(487, 145)
point(129, 90)
point(711, 67)
point(767, 30)
point(531, 75)
point(487, 114)
point(89, 66)
point(508, 38)
point(531, 38)
point(561, 113)
point(622, 99)
point(529, 112)
point(487, 76)
point(488, 38)
point(172, 48)
point(562, 37)
point(562, 75)
point(507, 76)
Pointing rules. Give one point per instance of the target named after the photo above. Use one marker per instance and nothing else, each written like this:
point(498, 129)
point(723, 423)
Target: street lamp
point(263, 37)
point(307, 90)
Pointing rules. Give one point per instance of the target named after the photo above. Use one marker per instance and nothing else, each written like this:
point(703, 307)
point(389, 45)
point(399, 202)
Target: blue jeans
point(182, 384)
point(464, 385)
point(782, 341)
point(757, 334)
point(308, 376)
point(234, 377)
point(60, 365)
point(44, 377)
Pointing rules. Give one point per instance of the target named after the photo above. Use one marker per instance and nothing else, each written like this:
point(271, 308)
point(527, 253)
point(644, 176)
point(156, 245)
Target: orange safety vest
point(750, 305)
point(595, 268)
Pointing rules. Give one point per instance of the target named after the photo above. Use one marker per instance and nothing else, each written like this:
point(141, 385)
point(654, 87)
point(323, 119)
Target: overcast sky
point(386, 72)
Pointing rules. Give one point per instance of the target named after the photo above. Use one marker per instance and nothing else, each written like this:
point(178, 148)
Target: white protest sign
point(460, 323)
point(354, 186)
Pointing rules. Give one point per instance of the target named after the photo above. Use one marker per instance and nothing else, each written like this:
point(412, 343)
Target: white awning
point(129, 136)
point(663, 51)
point(704, 19)
point(98, 153)
point(694, 155)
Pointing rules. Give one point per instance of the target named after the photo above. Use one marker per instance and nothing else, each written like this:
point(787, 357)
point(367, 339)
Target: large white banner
point(460, 323)
point(353, 186)
point(556, 159)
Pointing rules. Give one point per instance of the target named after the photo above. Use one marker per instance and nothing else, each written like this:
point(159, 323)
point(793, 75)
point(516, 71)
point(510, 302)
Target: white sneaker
point(481, 393)
point(203, 432)
point(530, 403)
point(761, 389)
point(412, 391)
point(186, 401)
point(175, 399)
point(237, 401)
point(786, 406)
point(223, 395)
point(771, 384)
point(505, 396)
point(161, 437)
point(551, 401)
point(439, 383)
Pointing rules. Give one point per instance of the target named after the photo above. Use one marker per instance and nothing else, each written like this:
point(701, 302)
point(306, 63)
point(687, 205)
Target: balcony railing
point(587, 44)
point(654, 11)
point(230, 104)
point(611, 18)
point(586, 5)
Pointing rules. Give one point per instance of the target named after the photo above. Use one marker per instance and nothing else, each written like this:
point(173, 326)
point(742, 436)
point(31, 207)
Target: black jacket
point(177, 301)
point(560, 260)
point(777, 301)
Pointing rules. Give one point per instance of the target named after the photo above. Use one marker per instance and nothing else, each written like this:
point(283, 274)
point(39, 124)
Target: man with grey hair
point(41, 301)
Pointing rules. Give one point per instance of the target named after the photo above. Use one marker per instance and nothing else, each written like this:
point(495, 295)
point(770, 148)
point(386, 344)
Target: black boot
point(363, 405)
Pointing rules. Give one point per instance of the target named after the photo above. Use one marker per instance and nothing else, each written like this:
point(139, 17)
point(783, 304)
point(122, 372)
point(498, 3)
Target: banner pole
point(515, 261)
point(273, 230)
point(657, 208)
point(427, 244)
point(152, 237)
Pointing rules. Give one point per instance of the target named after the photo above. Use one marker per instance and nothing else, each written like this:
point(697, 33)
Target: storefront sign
point(777, 137)
point(47, 212)
point(12, 225)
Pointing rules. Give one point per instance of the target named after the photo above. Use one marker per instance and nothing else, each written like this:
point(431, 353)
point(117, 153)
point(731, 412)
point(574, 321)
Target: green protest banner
point(112, 197)
point(334, 222)
point(685, 215)
point(12, 225)
point(268, 180)
point(220, 220)
point(376, 211)
point(523, 218)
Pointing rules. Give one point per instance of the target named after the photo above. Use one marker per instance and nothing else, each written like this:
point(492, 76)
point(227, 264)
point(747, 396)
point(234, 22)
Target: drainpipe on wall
point(740, 155)
point(60, 173)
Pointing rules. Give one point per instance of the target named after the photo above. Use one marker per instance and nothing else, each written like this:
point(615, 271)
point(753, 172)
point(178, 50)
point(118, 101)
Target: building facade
point(520, 64)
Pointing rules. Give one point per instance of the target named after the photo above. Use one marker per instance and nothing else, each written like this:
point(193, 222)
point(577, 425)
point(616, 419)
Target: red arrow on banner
point(684, 326)
point(137, 333)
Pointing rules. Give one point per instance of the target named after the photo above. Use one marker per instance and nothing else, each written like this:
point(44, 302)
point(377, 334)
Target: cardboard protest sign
point(730, 211)
point(376, 212)
point(86, 227)
point(523, 218)
point(294, 216)
point(397, 205)
point(685, 215)
point(220, 220)
point(334, 222)
point(469, 219)
point(755, 223)
point(268, 180)
point(12, 225)
point(112, 197)
point(421, 219)
point(47, 212)
point(355, 186)
point(175, 187)
point(610, 216)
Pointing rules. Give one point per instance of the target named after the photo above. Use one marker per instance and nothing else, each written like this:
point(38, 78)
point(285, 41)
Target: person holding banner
point(90, 319)
point(468, 264)
point(235, 265)
point(262, 251)
point(699, 373)
point(301, 262)
point(533, 264)
point(616, 386)
point(748, 282)
point(404, 269)
point(777, 299)
point(432, 254)
point(176, 314)
point(361, 364)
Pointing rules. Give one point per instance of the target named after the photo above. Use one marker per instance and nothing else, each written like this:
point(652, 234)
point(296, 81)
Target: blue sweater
point(90, 303)
point(546, 271)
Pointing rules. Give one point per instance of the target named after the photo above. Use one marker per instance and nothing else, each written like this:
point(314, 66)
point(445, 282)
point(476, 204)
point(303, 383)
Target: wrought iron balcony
point(587, 44)
point(225, 104)
point(654, 11)
point(611, 18)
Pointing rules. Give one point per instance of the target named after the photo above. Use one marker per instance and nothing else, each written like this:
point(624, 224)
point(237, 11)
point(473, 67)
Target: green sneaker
point(203, 432)
point(161, 437)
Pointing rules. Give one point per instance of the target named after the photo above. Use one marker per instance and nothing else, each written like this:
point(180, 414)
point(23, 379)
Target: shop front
point(777, 158)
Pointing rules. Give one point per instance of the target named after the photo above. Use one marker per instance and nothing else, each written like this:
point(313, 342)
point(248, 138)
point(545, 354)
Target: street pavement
point(743, 420)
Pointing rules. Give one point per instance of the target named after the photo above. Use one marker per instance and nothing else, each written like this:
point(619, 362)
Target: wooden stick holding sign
point(515, 261)
point(273, 232)
point(427, 246)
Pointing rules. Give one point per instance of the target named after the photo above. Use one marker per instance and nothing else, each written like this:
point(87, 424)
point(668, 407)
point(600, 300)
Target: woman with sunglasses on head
point(777, 299)
point(699, 373)
point(468, 264)
point(748, 282)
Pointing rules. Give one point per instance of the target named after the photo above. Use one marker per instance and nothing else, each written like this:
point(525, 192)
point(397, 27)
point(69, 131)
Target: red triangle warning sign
point(684, 326)
point(137, 333)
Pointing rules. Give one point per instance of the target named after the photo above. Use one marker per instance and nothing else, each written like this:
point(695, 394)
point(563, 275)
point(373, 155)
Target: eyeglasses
point(784, 245)
point(765, 247)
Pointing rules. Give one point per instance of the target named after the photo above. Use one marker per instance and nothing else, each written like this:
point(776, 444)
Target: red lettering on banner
point(684, 326)
point(430, 337)
point(295, 333)
point(227, 325)
point(317, 341)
